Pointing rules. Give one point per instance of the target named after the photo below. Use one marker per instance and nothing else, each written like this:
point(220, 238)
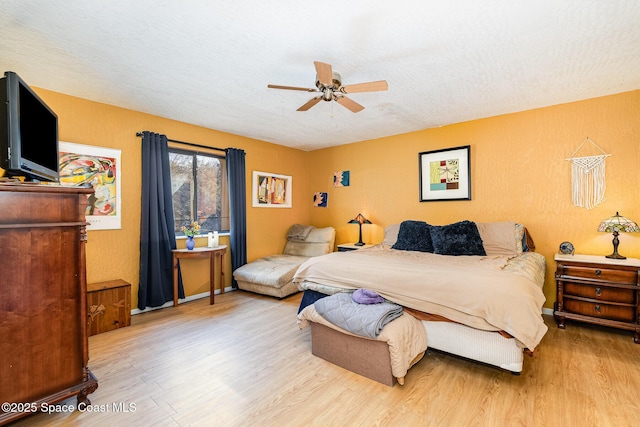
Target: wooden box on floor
point(108, 306)
point(368, 358)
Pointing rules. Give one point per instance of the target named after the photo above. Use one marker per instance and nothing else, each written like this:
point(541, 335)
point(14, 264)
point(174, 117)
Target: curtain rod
point(139, 134)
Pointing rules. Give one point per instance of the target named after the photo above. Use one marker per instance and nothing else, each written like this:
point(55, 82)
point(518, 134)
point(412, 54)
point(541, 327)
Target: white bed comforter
point(481, 292)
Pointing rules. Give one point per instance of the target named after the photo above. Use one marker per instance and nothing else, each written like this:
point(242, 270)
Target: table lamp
point(616, 224)
point(359, 219)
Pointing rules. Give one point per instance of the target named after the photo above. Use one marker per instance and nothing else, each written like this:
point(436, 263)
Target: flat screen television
point(28, 132)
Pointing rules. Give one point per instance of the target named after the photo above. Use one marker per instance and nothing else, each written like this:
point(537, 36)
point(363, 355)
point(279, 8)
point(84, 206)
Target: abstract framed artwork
point(270, 190)
point(99, 167)
point(320, 199)
point(445, 174)
point(341, 178)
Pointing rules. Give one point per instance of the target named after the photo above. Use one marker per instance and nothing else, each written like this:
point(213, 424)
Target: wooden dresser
point(598, 290)
point(43, 308)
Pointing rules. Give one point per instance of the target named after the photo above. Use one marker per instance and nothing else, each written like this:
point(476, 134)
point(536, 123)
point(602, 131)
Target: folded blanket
point(365, 296)
point(366, 320)
point(299, 232)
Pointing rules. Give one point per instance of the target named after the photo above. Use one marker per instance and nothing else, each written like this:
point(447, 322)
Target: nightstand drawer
point(628, 277)
point(601, 310)
point(600, 292)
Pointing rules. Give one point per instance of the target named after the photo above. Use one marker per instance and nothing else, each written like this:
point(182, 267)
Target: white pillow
point(391, 234)
point(501, 238)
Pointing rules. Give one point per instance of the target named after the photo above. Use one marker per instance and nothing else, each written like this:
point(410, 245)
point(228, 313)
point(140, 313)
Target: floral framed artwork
point(270, 190)
point(445, 174)
point(99, 167)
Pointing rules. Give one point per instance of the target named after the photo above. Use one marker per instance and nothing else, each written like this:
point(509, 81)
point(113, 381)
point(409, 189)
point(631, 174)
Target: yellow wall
point(519, 173)
point(115, 254)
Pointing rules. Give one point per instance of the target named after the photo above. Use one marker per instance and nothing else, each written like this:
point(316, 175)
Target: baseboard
point(547, 311)
point(180, 301)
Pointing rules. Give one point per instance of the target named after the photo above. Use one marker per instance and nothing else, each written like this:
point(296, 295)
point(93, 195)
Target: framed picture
point(270, 190)
point(341, 178)
point(445, 174)
point(98, 167)
point(320, 199)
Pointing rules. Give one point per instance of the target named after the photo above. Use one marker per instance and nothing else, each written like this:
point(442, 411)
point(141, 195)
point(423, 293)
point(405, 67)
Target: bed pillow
point(499, 238)
point(460, 238)
point(520, 239)
point(391, 235)
point(414, 236)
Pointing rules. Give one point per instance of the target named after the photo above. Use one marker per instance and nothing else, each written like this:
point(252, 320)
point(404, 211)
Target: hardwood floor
point(243, 362)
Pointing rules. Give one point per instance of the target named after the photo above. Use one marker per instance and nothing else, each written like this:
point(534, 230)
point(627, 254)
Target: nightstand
point(598, 290)
point(345, 247)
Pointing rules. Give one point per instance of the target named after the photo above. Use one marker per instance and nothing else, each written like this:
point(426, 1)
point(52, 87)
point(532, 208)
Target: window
point(199, 190)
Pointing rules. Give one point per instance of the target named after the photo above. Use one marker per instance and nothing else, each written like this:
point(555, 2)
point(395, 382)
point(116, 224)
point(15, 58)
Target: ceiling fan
point(329, 85)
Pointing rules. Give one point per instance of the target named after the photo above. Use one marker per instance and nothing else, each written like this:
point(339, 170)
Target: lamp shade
point(615, 225)
point(618, 223)
point(359, 219)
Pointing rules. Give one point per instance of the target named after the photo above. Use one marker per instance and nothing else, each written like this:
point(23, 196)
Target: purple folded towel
point(365, 296)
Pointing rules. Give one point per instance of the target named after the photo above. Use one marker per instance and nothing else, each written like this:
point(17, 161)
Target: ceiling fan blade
point(324, 72)
point(310, 103)
point(291, 88)
point(365, 87)
point(349, 103)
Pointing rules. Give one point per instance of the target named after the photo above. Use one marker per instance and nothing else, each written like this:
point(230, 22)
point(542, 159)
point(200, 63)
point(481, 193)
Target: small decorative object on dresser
point(598, 290)
point(567, 248)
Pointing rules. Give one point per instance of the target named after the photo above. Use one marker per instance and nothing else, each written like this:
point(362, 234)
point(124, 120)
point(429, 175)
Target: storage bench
point(108, 306)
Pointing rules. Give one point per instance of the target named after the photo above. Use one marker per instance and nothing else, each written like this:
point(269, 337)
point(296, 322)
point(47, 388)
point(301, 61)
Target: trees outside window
point(199, 189)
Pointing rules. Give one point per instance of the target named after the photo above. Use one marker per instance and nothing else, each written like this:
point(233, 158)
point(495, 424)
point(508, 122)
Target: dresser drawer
point(600, 310)
point(628, 277)
point(600, 292)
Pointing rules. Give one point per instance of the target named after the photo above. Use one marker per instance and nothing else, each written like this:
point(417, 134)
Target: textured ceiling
point(209, 62)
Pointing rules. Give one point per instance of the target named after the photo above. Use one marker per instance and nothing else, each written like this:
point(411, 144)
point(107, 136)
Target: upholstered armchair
point(273, 275)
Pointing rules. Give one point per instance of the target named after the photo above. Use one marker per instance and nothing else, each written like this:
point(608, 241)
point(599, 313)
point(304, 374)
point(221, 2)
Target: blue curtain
point(237, 208)
point(157, 234)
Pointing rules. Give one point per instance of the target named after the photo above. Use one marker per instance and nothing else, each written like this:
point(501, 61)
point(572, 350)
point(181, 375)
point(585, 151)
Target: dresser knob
point(597, 307)
point(598, 292)
point(598, 272)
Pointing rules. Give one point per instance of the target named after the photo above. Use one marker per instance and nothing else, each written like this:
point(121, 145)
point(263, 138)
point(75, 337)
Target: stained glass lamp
point(614, 225)
point(359, 219)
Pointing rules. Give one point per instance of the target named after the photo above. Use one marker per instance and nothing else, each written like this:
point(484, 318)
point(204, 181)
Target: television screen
point(28, 132)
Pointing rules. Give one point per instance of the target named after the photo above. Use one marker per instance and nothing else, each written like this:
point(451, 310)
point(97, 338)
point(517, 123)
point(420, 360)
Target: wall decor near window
point(271, 190)
point(445, 174)
point(82, 165)
point(587, 177)
point(320, 199)
point(341, 179)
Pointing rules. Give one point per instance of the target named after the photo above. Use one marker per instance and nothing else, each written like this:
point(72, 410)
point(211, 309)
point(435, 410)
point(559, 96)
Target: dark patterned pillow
point(414, 236)
point(460, 238)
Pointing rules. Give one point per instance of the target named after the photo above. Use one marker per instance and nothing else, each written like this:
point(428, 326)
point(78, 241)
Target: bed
point(474, 290)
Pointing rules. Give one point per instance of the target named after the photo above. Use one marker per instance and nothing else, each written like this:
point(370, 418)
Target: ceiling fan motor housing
point(337, 82)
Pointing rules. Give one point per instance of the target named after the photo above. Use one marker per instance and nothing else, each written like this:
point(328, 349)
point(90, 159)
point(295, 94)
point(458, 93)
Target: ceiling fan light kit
point(329, 85)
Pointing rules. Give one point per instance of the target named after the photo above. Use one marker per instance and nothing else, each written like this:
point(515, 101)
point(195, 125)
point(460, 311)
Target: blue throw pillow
point(414, 236)
point(460, 238)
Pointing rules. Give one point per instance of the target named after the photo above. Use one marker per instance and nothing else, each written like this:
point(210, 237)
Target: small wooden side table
point(346, 247)
point(200, 252)
point(108, 306)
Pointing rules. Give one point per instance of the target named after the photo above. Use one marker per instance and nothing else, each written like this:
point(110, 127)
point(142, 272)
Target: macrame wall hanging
point(587, 177)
